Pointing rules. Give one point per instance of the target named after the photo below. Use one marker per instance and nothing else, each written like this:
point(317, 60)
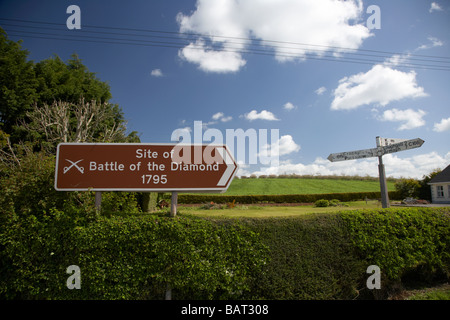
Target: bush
point(29, 188)
point(407, 188)
point(322, 203)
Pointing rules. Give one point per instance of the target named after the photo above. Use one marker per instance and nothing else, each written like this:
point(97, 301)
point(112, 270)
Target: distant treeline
point(309, 176)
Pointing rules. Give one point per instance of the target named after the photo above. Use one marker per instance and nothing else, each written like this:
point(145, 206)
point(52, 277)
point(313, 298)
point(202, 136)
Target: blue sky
point(325, 80)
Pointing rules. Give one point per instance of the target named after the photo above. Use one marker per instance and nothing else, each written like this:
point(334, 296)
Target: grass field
point(268, 186)
point(253, 211)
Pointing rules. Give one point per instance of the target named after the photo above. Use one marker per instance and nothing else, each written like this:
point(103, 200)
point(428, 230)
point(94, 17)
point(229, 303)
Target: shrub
point(322, 203)
point(29, 188)
point(407, 188)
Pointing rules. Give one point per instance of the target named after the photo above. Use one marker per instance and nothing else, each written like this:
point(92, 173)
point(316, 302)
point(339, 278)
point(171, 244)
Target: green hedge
point(132, 257)
point(287, 198)
point(402, 240)
point(326, 256)
point(317, 256)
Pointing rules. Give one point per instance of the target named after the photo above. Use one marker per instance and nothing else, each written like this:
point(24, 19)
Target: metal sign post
point(384, 146)
point(382, 178)
point(173, 204)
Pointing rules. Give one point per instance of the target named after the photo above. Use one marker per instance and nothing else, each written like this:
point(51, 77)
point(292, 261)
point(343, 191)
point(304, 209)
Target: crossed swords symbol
point(73, 164)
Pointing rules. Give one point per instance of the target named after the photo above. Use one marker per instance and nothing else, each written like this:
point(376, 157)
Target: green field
point(268, 186)
point(254, 211)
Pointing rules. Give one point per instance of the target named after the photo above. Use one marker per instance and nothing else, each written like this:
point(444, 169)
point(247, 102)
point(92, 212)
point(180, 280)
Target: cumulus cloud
point(217, 116)
point(156, 73)
point(283, 146)
point(435, 7)
point(221, 116)
point(444, 125)
point(396, 166)
point(434, 42)
point(320, 91)
point(289, 106)
point(397, 59)
point(243, 169)
point(310, 27)
point(411, 119)
point(263, 115)
point(380, 85)
point(211, 60)
point(179, 134)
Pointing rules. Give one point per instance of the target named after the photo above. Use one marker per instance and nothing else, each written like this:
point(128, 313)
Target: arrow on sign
point(381, 142)
point(231, 166)
point(351, 155)
point(404, 145)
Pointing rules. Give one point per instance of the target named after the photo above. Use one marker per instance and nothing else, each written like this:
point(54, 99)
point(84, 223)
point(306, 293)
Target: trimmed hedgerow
point(309, 258)
point(326, 256)
point(127, 257)
point(316, 256)
point(284, 198)
point(402, 240)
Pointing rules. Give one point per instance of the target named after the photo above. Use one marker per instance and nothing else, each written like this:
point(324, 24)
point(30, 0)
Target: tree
point(80, 122)
point(424, 191)
point(25, 85)
point(52, 101)
point(18, 85)
point(59, 81)
point(408, 188)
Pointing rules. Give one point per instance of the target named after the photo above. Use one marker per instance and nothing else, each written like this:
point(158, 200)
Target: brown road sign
point(143, 167)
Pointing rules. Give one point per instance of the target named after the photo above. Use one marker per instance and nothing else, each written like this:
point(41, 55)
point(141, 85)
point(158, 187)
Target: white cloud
point(396, 166)
point(397, 59)
point(180, 133)
point(444, 125)
point(289, 106)
point(434, 42)
point(285, 145)
point(404, 59)
point(435, 7)
point(310, 27)
point(380, 85)
point(411, 119)
point(242, 171)
point(263, 115)
point(211, 60)
point(320, 91)
point(217, 116)
point(156, 73)
point(221, 116)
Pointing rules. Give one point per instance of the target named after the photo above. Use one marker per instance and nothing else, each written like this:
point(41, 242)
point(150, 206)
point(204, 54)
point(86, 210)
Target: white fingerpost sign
point(384, 146)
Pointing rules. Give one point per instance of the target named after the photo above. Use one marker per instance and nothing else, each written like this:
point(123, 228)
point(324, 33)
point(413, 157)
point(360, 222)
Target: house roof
point(443, 176)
